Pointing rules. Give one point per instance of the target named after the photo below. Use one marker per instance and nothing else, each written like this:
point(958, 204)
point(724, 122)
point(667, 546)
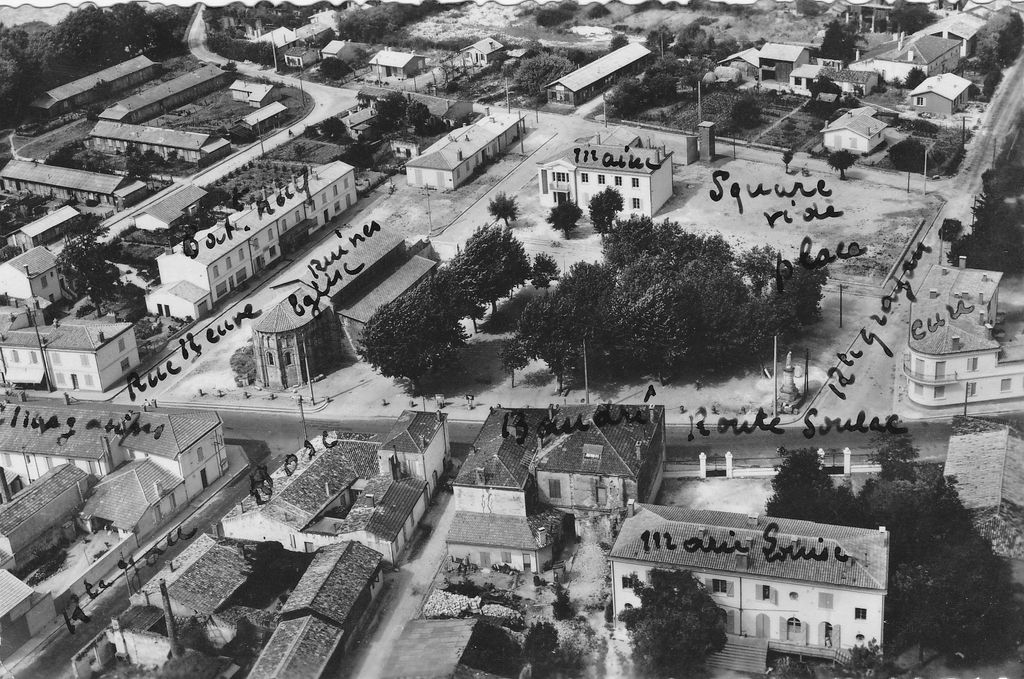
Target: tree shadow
point(471, 370)
point(537, 378)
point(509, 311)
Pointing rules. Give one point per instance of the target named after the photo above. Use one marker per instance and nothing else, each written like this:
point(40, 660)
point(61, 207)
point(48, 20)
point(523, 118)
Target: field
point(717, 105)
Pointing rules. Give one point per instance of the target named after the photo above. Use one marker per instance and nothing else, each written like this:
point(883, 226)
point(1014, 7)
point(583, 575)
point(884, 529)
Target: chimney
point(631, 507)
point(910, 55)
point(856, 55)
point(962, 262)
point(981, 317)
point(752, 520)
point(881, 529)
point(172, 627)
point(981, 298)
point(639, 444)
point(945, 271)
point(933, 293)
point(327, 488)
point(438, 415)
point(657, 155)
point(156, 490)
point(487, 110)
point(984, 278)
point(102, 338)
point(5, 486)
point(371, 499)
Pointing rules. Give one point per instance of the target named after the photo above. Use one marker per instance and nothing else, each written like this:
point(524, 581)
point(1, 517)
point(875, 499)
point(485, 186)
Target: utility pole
point(700, 117)
point(39, 340)
point(967, 391)
point(963, 132)
point(604, 100)
point(302, 415)
point(586, 376)
point(430, 220)
point(775, 377)
point(807, 367)
point(508, 100)
point(309, 376)
point(840, 305)
point(925, 171)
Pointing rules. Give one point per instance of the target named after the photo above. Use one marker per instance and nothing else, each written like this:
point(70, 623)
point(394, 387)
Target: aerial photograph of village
point(537, 340)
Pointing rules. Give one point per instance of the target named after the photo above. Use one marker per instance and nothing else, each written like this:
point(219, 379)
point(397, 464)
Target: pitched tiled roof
point(962, 24)
point(282, 317)
point(49, 221)
point(925, 48)
point(442, 641)
point(158, 93)
point(391, 288)
point(953, 285)
point(392, 58)
point(174, 204)
point(846, 75)
point(76, 335)
point(299, 498)
point(62, 177)
point(987, 460)
point(946, 85)
point(589, 74)
point(76, 87)
point(12, 592)
point(485, 46)
point(144, 134)
point(389, 509)
point(467, 141)
point(867, 567)
point(39, 260)
point(413, 431)
point(36, 498)
point(506, 463)
point(124, 496)
point(205, 574)
point(298, 649)
point(360, 259)
point(180, 430)
point(864, 125)
point(333, 583)
point(504, 530)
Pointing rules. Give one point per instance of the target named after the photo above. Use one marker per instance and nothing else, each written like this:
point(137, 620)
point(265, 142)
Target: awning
point(29, 374)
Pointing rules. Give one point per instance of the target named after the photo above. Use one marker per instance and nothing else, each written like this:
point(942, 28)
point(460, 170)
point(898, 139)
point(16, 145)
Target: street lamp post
point(840, 305)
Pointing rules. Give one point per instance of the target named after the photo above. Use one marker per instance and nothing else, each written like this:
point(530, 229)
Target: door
point(74, 381)
point(561, 197)
point(202, 477)
point(327, 217)
point(526, 561)
point(826, 635)
point(762, 626)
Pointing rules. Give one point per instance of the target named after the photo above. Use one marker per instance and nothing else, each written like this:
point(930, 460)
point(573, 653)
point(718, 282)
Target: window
point(200, 454)
point(309, 547)
point(636, 203)
point(56, 359)
point(159, 513)
point(287, 358)
point(766, 593)
point(506, 557)
point(635, 182)
point(972, 388)
point(120, 344)
point(85, 360)
point(43, 279)
point(972, 364)
point(561, 176)
point(1004, 385)
point(554, 488)
point(14, 356)
point(174, 502)
point(88, 380)
point(273, 251)
point(918, 101)
point(32, 358)
point(255, 240)
point(940, 392)
point(485, 559)
point(125, 364)
point(291, 538)
point(618, 181)
point(335, 188)
point(270, 358)
point(860, 614)
point(241, 254)
point(229, 262)
point(7, 459)
point(719, 586)
point(600, 179)
point(337, 206)
point(222, 288)
point(216, 271)
point(824, 600)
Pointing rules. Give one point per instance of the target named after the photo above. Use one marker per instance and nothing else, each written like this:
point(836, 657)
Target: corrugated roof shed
point(49, 221)
point(62, 177)
point(264, 113)
point(76, 87)
point(586, 76)
point(158, 93)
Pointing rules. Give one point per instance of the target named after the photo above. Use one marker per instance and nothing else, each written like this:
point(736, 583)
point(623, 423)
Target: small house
point(941, 95)
point(301, 56)
point(776, 61)
point(178, 205)
point(482, 52)
point(46, 229)
point(857, 131)
point(745, 61)
point(389, 63)
point(256, 95)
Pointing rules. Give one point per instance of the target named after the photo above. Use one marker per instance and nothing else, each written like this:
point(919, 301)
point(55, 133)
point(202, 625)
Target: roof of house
point(158, 433)
point(963, 24)
point(300, 51)
point(158, 93)
point(391, 288)
point(806, 71)
point(780, 51)
point(842, 75)
point(12, 592)
point(444, 154)
point(53, 219)
point(205, 574)
point(140, 618)
point(863, 124)
point(76, 87)
point(39, 494)
point(360, 117)
point(485, 46)
point(361, 456)
point(384, 506)
point(750, 55)
point(298, 649)
point(987, 459)
point(608, 449)
point(442, 641)
point(504, 530)
point(264, 113)
point(595, 160)
point(361, 259)
point(174, 204)
point(77, 335)
point(946, 85)
point(866, 567)
point(587, 75)
point(413, 431)
point(144, 134)
point(39, 260)
point(282, 317)
point(952, 286)
point(185, 290)
point(124, 496)
point(63, 177)
point(925, 48)
point(333, 47)
point(389, 57)
point(333, 582)
point(299, 498)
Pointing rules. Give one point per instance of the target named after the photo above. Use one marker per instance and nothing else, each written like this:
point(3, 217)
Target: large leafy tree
point(841, 160)
point(840, 41)
point(513, 356)
point(604, 207)
point(495, 262)
point(411, 335)
point(533, 74)
point(802, 489)
point(564, 216)
point(504, 207)
point(541, 648)
point(453, 282)
point(997, 239)
point(676, 626)
point(911, 17)
point(547, 340)
point(83, 263)
point(897, 455)
point(544, 271)
point(391, 110)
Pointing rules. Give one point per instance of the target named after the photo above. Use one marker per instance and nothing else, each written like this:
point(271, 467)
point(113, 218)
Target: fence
point(730, 467)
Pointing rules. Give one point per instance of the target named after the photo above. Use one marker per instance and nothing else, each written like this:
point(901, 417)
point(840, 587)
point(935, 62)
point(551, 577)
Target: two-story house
point(813, 608)
point(577, 173)
point(776, 61)
point(955, 361)
point(894, 60)
point(32, 275)
point(75, 355)
point(419, 444)
point(259, 236)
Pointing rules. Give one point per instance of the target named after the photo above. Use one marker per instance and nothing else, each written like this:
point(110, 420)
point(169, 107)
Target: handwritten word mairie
point(609, 160)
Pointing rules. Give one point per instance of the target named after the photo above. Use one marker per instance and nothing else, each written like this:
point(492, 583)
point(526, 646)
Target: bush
point(992, 80)
point(85, 310)
point(243, 365)
point(908, 155)
point(562, 607)
point(598, 11)
point(147, 327)
point(746, 112)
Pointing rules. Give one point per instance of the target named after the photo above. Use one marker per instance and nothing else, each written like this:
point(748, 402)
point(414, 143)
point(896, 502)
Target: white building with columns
point(794, 605)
